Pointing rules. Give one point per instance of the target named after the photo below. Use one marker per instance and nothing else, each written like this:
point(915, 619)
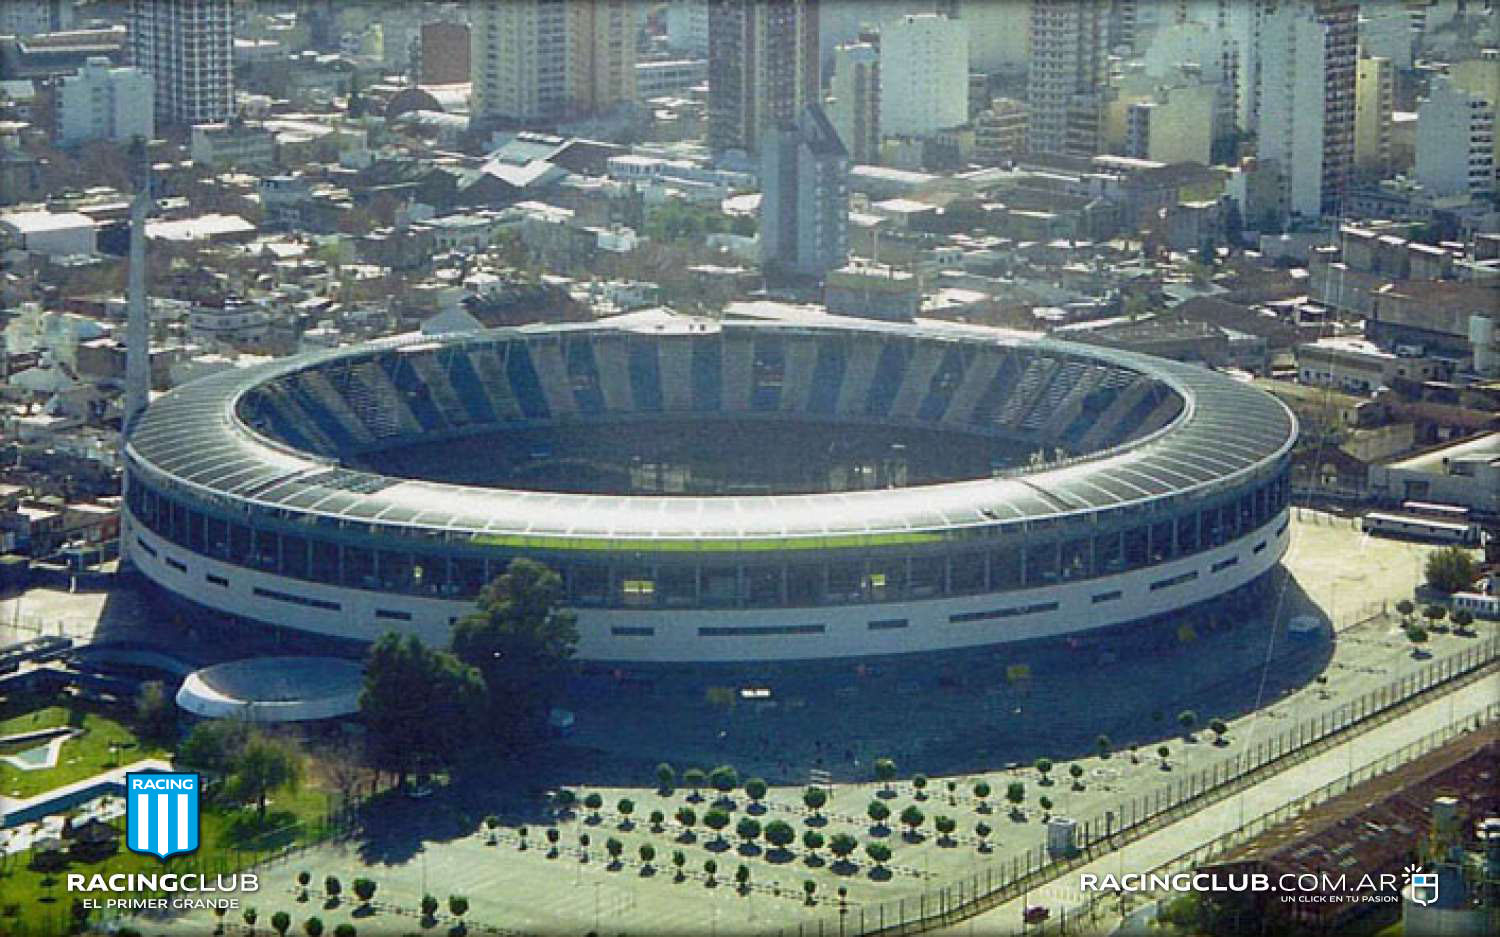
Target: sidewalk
point(1212, 822)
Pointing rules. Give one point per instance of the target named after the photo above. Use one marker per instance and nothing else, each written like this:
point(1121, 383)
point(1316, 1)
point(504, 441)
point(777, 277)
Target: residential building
point(1066, 78)
point(804, 209)
point(855, 104)
point(1455, 141)
point(1374, 103)
point(1305, 100)
point(924, 75)
point(762, 69)
point(233, 144)
point(687, 26)
point(30, 17)
point(443, 51)
point(668, 77)
point(603, 47)
point(1481, 75)
point(187, 46)
point(1359, 366)
point(103, 102)
point(1174, 126)
point(1000, 132)
point(995, 42)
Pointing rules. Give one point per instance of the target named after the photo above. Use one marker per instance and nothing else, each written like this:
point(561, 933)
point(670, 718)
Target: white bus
point(1421, 528)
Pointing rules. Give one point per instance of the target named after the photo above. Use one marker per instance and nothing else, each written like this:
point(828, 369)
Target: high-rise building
point(687, 26)
point(804, 208)
point(1066, 78)
point(1306, 56)
point(187, 47)
point(924, 75)
point(545, 60)
point(855, 108)
point(1455, 141)
point(998, 35)
point(762, 69)
point(1374, 103)
point(1481, 75)
point(1000, 132)
point(103, 102)
point(28, 17)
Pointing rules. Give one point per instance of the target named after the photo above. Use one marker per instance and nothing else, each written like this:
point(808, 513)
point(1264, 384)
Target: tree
point(304, 878)
point(418, 706)
point(814, 798)
point(919, 785)
point(345, 929)
point(1162, 753)
point(724, 779)
point(912, 818)
point(1416, 634)
point(553, 835)
point(492, 823)
point(1187, 719)
point(842, 845)
point(812, 841)
point(211, 748)
point(647, 852)
point(657, 818)
point(1043, 766)
point(878, 813)
point(885, 772)
point(1450, 569)
point(755, 789)
point(264, 766)
point(1103, 744)
point(879, 853)
point(710, 869)
point(520, 640)
point(1434, 614)
point(748, 829)
point(429, 907)
point(780, 834)
point(1219, 728)
point(666, 778)
point(694, 779)
point(458, 906)
point(716, 820)
point(521, 835)
point(614, 847)
point(945, 827)
point(592, 802)
point(679, 859)
point(625, 808)
point(1015, 792)
point(1076, 772)
point(155, 714)
point(686, 818)
point(364, 890)
point(250, 916)
point(281, 922)
point(1045, 803)
point(982, 791)
point(1406, 608)
point(742, 877)
point(313, 926)
point(982, 832)
point(1462, 619)
point(332, 887)
point(809, 888)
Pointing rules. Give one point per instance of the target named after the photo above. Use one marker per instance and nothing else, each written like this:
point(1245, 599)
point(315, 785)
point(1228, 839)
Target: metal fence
point(1005, 880)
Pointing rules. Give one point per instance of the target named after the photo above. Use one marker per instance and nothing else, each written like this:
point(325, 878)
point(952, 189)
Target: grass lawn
point(30, 907)
point(81, 757)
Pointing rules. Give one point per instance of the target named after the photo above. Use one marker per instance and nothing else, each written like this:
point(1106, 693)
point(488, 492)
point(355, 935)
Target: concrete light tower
point(138, 323)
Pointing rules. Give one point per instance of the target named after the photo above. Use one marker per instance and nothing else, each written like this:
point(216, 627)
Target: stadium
point(735, 490)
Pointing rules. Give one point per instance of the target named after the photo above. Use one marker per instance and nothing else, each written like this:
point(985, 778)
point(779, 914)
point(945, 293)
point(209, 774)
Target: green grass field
point(81, 757)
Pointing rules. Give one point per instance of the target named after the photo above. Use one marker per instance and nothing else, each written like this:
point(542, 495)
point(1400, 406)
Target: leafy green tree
point(429, 907)
point(814, 798)
point(919, 785)
point(716, 820)
point(679, 859)
point(364, 890)
point(345, 929)
point(1450, 569)
point(313, 926)
point(812, 841)
point(842, 845)
point(912, 818)
point(885, 772)
point(1219, 728)
point(710, 869)
point(304, 878)
point(686, 818)
point(418, 706)
point(694, 779)
point(742, 877)
point(520, 640)
point(211, 748)
point(1102, 743)
point(1045, 803)
point(264, 766)
point(982, 832)
point(657, 818)
point(809, 888)
point(666, 778)
point(945, 827)
point(250, 916)
point(1015, 792)
point(748, 829)
point(614, 847)
point(593, 802)
point(281, 922)
point(755, 789)
point(458, 906)
point(1162, 752)
point(332, 887)
point(724, 779)
point(1405, 607)
point(647, 852)
point(879, 853)
point(780, 834)
point(1043, 767)
point(155, 713)
point(1434, 614)
point(1187, 719)
point(1416, 634)
point(1462, 619)
point(878, 813)
point(1075, 770)
point(982, 791)
point(625, 808)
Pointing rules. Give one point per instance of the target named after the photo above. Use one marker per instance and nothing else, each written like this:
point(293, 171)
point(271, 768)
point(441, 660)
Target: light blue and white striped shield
point(162, 810)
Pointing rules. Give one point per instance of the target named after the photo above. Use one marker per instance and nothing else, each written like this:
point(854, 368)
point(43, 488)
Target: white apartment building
point(103, 102)
point(687, 26)
point(924, 75)
point(187, 46)
point(1066, 77)
point(1455, 141)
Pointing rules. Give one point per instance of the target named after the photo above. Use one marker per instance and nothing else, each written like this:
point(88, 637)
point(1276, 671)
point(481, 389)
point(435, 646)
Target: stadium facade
point(1152, 486)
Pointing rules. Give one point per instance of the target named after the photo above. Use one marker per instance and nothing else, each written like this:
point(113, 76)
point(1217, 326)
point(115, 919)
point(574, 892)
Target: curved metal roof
point(193, 438)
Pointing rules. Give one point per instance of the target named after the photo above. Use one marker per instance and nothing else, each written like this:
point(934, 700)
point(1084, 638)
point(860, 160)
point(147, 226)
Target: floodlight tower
point(138, 323)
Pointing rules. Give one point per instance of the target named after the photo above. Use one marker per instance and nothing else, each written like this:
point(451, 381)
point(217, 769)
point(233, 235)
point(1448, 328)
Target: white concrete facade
point(1455, 141)
point(664, 636)
point(924, 75)
point(102, 102)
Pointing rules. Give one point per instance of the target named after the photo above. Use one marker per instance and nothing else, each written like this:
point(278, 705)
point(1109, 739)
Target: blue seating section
point(524, 382)
point(708, 377)
point(414, 391)
point(945, 381)
point(888, 374)
point(769, 373)
point(1002, 385)
point(828, 378)
point(331, 426)
point(470, 389)
point(583, 375)
point(645, 376)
